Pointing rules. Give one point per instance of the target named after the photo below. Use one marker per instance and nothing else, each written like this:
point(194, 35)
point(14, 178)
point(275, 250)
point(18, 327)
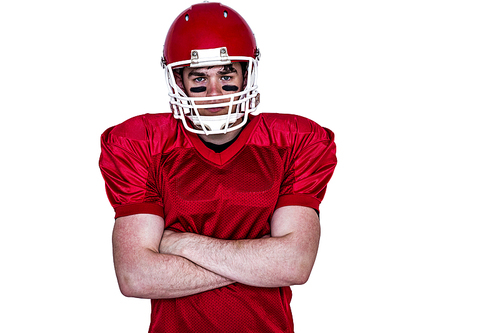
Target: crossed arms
point(153, 263)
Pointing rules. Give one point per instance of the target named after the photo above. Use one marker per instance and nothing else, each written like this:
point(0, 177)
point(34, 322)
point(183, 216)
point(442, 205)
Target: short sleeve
point(311, 168)
point(124, 162)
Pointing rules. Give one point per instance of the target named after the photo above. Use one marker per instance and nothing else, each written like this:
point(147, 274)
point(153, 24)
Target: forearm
point(143, 272)
point(284, 259)
point(156, 275)
point(266, 262)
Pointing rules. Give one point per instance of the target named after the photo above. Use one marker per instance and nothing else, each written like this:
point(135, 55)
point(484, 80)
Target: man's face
point(212, 81)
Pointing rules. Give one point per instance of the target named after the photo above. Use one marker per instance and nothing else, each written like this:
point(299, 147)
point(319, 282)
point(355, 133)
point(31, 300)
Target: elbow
point(298, 266)
point(298, 275)
point(139, 286)
point(127, 291)
point(130, 286)
point(126, 287)
point(300, 278)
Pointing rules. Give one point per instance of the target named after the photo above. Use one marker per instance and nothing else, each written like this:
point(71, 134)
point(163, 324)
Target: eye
point(226, 78)
point(199, 79)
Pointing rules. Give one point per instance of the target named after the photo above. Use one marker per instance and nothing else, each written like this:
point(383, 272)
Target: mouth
point(213, 107)
point(214, 110)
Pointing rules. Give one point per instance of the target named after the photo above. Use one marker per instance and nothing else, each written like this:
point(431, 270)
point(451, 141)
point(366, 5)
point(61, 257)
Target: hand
point(170, 242)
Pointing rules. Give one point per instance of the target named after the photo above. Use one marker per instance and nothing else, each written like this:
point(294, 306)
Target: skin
point(146, 266)
point(284, 258)
point(143, 272)
point(151, 262)
point(213, 81)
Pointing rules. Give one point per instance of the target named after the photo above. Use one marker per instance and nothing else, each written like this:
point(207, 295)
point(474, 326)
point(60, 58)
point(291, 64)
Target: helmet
point(211, 34)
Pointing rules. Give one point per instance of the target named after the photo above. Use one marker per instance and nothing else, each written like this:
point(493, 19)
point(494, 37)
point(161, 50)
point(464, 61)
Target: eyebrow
point(227, 70)
point(195, 73)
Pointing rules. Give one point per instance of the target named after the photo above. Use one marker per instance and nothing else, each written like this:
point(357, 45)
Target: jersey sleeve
point(313, 160)
point(125, 164)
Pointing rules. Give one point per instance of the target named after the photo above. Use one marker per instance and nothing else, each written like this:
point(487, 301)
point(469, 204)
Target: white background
point(410, 238)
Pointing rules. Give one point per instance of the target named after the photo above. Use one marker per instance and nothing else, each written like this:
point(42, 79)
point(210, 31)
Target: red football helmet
point(211, 34)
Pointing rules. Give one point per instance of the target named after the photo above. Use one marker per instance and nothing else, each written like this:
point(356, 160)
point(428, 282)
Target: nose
point(214, 88)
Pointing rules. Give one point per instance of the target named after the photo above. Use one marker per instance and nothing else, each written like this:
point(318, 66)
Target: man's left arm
point(286, 258)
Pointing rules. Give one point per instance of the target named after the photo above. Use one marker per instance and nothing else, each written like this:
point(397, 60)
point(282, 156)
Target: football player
point(217, 207)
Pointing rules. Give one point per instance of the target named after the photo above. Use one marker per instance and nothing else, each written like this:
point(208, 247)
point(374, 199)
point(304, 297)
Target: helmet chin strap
point(219, 124)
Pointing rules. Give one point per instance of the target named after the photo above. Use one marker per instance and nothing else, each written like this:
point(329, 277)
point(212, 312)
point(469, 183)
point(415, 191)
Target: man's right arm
point(143, 272)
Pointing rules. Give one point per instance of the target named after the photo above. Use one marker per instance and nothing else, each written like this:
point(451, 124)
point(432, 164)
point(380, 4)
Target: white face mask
point(239, 104)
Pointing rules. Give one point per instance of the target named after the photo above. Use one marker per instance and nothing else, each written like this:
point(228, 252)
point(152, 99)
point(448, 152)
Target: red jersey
point(151, 164)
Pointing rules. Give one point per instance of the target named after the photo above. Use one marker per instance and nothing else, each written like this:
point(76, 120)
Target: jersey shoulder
point(290, 122)
point(294, 127)
point(154, 133)
point(142, 127)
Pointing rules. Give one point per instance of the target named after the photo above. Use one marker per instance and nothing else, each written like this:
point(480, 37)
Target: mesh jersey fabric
point(152, 165)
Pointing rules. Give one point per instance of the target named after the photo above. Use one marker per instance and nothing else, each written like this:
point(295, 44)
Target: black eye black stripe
point(230, 88)
point(198, 89)
point(203, 89)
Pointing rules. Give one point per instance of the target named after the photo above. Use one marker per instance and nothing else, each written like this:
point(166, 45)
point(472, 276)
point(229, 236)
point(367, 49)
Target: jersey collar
point(224, 156)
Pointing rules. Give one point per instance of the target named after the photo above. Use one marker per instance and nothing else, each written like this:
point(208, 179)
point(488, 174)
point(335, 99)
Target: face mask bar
point(239, 104)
